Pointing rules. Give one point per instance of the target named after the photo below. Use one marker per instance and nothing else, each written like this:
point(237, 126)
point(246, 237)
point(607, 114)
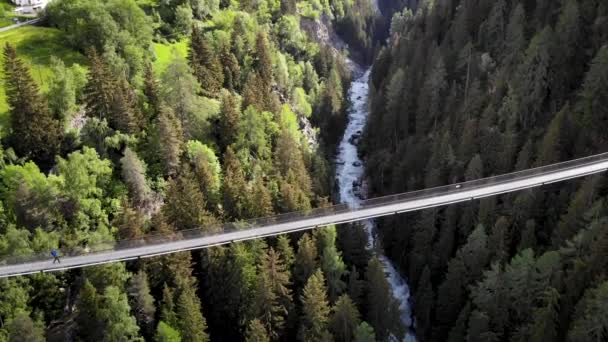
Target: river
point(349, 175)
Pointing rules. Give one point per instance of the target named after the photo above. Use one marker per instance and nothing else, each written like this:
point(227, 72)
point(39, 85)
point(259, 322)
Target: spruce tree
point(315, 310)
point(344, 320)
point(205, 62)
point(192, 324)
point(364, 333)
point(185, 205)
point(256, 332)
point(229, 121)
point(306, 259)
point(382, 308)
point(99, 91)
point(235, 186)
point(142, 302)
point(272, 299)
point(152, 93)
point(171, 140)
point(34, 132)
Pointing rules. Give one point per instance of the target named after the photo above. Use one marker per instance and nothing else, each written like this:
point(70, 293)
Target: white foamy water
point(350, 173)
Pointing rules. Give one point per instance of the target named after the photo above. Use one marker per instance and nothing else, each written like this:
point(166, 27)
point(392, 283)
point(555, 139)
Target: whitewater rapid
point(350, 171)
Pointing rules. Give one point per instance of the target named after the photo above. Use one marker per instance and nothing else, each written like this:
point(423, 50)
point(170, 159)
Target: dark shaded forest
point(133, 143)
point(474, 88)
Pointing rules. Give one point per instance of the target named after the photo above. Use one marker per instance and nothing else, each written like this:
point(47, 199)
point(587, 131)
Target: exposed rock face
point(310, 134)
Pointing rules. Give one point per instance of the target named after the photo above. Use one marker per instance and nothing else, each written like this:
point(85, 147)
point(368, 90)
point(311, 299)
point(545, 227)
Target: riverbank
point(350, 172)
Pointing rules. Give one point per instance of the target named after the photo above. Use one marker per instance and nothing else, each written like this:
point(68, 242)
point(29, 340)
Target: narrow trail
point(349, 174)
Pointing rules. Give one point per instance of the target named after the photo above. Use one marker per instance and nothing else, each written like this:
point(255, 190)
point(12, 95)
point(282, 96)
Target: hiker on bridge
point(55, 256)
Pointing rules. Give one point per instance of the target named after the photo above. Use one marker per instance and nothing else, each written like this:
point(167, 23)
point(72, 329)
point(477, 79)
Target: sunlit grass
point(35, 45)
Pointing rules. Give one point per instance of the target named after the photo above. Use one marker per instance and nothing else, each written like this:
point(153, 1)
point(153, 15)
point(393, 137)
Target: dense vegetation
point(468, 89)
point(114, 148)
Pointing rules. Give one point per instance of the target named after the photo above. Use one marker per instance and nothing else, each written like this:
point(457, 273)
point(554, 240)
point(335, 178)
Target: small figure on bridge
point(55, 256)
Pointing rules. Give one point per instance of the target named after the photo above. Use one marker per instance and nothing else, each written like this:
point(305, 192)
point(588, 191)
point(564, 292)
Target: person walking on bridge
point(55, 256)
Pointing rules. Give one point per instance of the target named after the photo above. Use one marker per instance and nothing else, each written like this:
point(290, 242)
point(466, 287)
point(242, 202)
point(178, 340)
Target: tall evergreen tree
point(306, 259)
point(205, 62)
point(171, 140)
point(192, 324)
point(315, 310)
point(256, 332)
point(185, 205)
point(34, 131)
point(383, 311)
point(344, 320)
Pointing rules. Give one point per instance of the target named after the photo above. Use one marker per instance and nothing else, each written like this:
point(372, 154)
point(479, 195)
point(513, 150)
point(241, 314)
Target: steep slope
point(468, 89)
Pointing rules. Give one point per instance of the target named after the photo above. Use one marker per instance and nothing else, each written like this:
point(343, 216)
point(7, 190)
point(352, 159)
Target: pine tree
point(229, 120)
point(89, 323)
point(306, 259)
point(166, 333)
point(134, 175)
point(34, 131)
point(344, 320)
point(125, 115)
point(192, 324)
point(152, 93)
point(285, 251)
point(382, 308)
point(263, 60)
point(315, 310)
point(515, 37)
point(205, 62)
point(167, 309)
point(272, 299)
point(232, 70)
point(185, 205)
point(235, 186)
point(115, 312)
point(142, 302)
point(130, 222)
point(99, 91)
point(171, 140)
point(260, 200)
point(364, 333)
point(331, 262)
point(589, 318)
point(256, 332)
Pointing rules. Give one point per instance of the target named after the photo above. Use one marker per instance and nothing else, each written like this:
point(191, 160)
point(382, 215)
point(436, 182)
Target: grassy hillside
point(164, 53)
point(36, 45)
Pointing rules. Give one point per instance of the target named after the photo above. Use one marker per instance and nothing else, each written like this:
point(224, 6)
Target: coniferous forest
point(165, 116)
point(469, 89)
point(176, 115)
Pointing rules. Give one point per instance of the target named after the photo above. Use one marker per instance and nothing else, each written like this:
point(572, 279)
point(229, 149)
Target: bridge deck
point(390, 205)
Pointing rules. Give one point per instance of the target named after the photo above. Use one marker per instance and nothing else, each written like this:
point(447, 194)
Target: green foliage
point(364, 333)
point(22, 329)
point(185, 204)
point(256, 332)
point(192, 324)
point(207, 169)
point(345, 319)
point(65, 89)
point(590, 311)
point(165, 333)
point(315, 310)
point(383, 309)
point(34, 131)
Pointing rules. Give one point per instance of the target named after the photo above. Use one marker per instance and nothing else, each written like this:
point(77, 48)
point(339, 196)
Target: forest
point(129, 142)
point(474, 88)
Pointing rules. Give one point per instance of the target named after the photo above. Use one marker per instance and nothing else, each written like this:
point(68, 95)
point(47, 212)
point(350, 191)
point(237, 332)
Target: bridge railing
point(153, 239)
